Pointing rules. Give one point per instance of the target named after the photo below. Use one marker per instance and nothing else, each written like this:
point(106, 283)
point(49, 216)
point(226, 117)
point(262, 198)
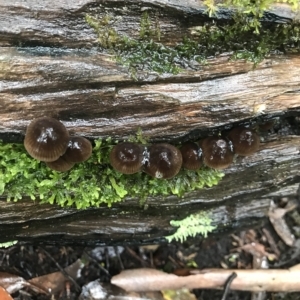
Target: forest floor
point(232, 251)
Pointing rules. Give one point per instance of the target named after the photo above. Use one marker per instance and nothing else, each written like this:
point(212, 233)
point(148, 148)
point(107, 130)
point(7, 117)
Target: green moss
point(245, 37)
point(149, 29)
point(199, 223)
point(107, 36)
point(253, 9)
point(91, 183)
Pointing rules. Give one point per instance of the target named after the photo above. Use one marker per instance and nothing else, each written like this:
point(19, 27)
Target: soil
point(102, 263)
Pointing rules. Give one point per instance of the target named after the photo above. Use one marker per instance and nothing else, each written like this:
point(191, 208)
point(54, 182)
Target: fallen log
point(51, 64)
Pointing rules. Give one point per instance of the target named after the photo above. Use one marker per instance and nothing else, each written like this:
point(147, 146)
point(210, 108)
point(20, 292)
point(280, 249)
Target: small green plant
point(91, 183)
point(8, 244)
point(199, 223)
point(212, 7)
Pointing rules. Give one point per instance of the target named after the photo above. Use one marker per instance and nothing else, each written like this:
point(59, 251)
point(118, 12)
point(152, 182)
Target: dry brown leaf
point(54, 282)
point(279, 224)
point(4, 295)
point(258, 250)
point(12, 283)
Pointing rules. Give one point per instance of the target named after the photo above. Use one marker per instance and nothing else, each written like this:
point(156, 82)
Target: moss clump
point(136, 54)
point(199, 223)
point(253, 9)
point(91, 183)
point(242, 42)
point(245, 37)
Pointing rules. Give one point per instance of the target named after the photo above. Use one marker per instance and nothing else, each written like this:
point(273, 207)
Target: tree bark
point(49, 65)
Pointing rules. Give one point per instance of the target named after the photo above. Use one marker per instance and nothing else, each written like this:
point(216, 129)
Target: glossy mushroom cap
point(191, 156)
point(127, 157)
point(46, 139)
point(164, 161)
point(60, 165)
point(79, 149)
point(216, 152)
point(245, 141)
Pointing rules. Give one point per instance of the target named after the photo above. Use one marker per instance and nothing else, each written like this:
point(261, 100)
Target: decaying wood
point(49, 66)
point(38, 22)
point(242, 197)
point(247, 280)
point(167, 110)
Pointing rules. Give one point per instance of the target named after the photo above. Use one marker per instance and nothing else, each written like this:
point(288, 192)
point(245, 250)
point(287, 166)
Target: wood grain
point(50, 65)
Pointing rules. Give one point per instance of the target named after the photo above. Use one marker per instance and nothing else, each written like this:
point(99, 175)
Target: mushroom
point(46, 139)
point(61, 164)
point(191, 156)
point(217, 152)
point(164, 161)
point(127, 157)
point(79, 149)
point(245, 141)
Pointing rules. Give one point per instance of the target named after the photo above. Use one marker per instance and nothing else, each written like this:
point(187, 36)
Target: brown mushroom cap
point(245, 141)
point(191, 156)
point(79, 149)
point(216, 152)
point(127, 157)
point(61, 164)
point(164, 161)
point(46, 139)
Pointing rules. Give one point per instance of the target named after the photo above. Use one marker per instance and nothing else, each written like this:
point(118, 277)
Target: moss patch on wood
point(91, 183)
point(245, 37)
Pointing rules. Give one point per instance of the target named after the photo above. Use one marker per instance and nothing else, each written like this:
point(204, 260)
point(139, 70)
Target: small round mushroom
point(127, 157)
point(217, 152)
point(164, 161)
point(46, 139)
point(79, 149)
point(245, 141)
point(61, 164)
point(191, 156)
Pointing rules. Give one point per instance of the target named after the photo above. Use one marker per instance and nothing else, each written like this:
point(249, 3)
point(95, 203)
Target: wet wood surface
point(242, 198)
point(50, 65)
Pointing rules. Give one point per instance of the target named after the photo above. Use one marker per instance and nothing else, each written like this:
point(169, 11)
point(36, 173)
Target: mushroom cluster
point(48, 140)
point(164, 160)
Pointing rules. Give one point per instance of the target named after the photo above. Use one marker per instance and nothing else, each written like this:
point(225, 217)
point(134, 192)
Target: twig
point(119, 257)
point(271, 242)
point(177, 264)
point(77, 287)
point(144, 263)
point(228, 284)
point(97, 262)
point(147, 279)
point(106, 258)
